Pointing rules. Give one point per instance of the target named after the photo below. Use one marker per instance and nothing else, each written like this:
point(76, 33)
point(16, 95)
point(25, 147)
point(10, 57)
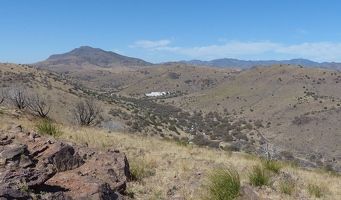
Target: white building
point(156, 94)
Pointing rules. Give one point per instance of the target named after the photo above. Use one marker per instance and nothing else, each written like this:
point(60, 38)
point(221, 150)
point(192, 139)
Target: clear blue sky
point(172, 30)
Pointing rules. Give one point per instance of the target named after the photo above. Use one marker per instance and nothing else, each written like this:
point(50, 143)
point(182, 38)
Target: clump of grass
point(24, 187)
point(223, 184)
point(140, 169)
point(258, 176)
point(137, 172)
point(46, 127)
point(316, 190)
point(286, 187)
point(272, 165)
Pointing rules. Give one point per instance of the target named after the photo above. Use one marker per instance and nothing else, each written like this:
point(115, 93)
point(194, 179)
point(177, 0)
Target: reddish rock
point(63, 170)
point(79, 186)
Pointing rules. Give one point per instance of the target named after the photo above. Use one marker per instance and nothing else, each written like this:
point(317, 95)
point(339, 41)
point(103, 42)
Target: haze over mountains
point(88, 56)
point(230, 62)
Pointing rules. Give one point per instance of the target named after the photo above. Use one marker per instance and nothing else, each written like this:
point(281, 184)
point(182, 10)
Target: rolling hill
point(298, 107)
point(292, 106)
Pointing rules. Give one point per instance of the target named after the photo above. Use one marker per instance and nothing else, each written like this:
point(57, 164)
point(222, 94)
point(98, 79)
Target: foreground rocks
point(34, 166)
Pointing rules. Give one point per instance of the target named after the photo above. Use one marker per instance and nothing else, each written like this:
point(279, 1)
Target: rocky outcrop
point(41, 167)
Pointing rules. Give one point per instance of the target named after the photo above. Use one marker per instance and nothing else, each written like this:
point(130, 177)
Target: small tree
point(39, 105)
point(18, 95)
point(86, 111)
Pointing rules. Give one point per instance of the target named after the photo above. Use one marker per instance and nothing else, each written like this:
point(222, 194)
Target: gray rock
point(7, 192)
point(10, 153)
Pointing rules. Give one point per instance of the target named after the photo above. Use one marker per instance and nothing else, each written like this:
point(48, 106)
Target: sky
point(172, 30)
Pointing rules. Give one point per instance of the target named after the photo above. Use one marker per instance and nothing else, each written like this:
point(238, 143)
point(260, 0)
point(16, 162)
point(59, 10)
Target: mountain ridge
point(86, 55)
point(231, 62)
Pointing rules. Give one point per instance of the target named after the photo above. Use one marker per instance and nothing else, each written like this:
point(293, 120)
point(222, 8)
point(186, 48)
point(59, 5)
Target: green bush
point(46, 127)
point(258, 176)
point(316, 190)
point(223, 184)
point(272, 165)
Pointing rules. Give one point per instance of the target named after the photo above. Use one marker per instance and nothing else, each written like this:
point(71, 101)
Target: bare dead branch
point(18, 95)
point(39, 105)
point(271, 151)
point(86, 111)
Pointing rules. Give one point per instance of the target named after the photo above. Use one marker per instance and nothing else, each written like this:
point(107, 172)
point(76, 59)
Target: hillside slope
point(298, 107)
point(170, 170)
point(294, 107)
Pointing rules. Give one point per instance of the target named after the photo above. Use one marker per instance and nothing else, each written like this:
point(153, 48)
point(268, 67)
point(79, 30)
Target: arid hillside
point(160, 168)
point(298, 107)
point(294, 108)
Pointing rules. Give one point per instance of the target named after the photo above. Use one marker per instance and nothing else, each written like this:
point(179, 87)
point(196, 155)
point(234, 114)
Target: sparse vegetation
point(316, 190)
point(181, 162)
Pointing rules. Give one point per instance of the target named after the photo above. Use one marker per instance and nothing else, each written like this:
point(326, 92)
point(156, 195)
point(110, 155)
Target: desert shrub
point(182, 142)
point(258, 123)
point(258, 176)
point(249, 126)
point(286, 187)
point(173, 128)
point(173, 75)
point(213, 144)
point(200, 140)
point(312, 158)
point(287, 155)
point(46, 127)
point(222, 184)
point(235, 147)
point(241, 136)
point(302, 120)
point(316, 190)
point(328, 168)
point(272, 165)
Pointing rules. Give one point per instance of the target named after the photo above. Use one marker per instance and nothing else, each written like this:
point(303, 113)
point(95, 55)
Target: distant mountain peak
point(94, 56)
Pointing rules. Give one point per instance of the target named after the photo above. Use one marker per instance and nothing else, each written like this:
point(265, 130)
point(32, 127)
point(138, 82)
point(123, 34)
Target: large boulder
point(34, 164)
